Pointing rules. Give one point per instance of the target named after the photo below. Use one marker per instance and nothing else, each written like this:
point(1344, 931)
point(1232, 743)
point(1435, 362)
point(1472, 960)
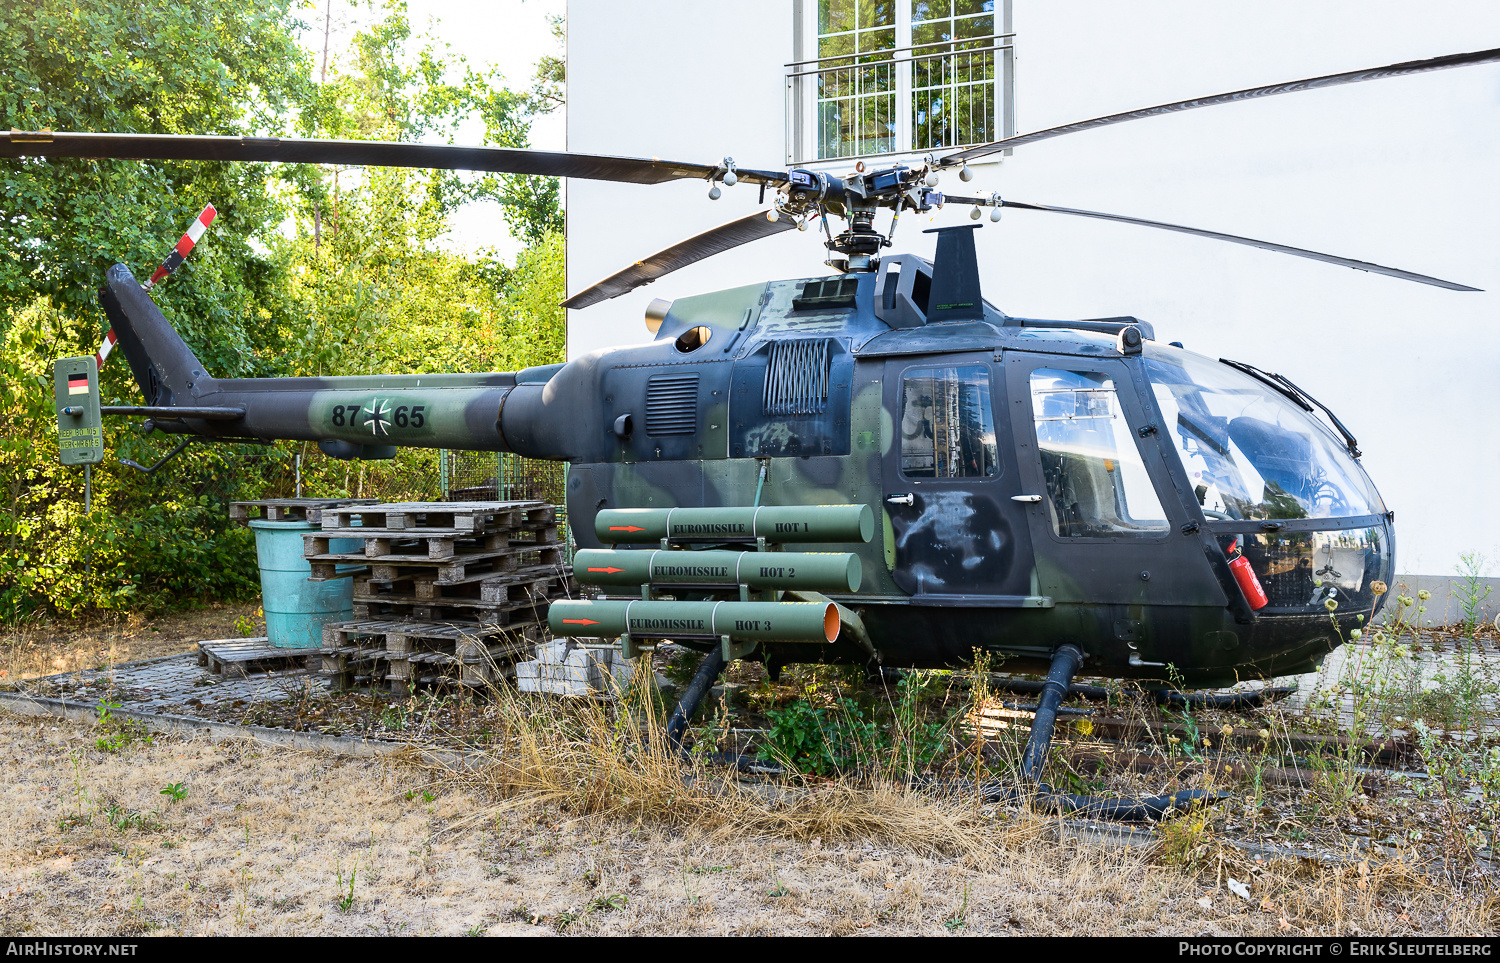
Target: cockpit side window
point(1097, 485)
point(947, 426)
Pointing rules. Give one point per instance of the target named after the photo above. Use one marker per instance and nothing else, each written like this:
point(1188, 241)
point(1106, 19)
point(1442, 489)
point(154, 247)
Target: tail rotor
point(172, 262)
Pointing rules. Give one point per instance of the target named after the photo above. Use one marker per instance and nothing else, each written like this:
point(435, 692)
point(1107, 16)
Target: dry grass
point(603, 759)
point(575, 821)
point(47, 648)
point(272, 841)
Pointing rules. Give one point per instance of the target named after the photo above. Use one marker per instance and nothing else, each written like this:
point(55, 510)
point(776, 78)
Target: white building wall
point(1400, 172)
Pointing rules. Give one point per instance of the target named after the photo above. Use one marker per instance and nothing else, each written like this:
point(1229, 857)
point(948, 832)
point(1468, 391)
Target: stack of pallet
point(449, 593)
point(288, 509)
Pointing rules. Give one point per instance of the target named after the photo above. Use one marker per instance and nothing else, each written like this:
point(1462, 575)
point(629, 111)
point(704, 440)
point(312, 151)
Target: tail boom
point(350, 415)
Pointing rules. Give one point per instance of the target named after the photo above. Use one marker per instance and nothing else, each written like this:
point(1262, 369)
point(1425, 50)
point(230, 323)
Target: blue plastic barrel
point(296, 609)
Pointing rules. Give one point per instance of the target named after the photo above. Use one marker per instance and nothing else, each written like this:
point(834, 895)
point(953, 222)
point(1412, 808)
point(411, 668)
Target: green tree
point(365, 266)
point(360, 284)
point(199, 66)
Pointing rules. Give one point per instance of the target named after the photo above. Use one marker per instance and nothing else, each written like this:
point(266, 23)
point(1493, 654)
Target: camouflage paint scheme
point(683, 421)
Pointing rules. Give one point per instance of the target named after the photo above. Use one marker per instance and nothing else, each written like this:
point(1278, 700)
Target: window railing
point(934, 96)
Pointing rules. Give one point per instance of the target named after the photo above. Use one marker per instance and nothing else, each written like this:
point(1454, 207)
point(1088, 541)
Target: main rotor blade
point(500, 160)
point(722, 238)
point(1233, 239)
point(1249, 93)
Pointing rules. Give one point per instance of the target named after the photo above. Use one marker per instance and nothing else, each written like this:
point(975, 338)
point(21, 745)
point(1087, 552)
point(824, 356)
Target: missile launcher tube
point(806, 571)
point(779, 524)
point(741, 621)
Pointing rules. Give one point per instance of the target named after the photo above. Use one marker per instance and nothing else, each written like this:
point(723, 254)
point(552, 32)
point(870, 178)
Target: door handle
point(1029, 499)
point(907, 499)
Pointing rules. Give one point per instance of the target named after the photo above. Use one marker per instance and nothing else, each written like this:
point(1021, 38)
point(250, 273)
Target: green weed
point(960, 917)
point(825, 733)
point(1472, 592)
point(74, 820)
point(1466, 779)
point(118, 733)
point(246, 625)
point(393, 717)
point(607, 904)
point(345, 886)
point(124, 820)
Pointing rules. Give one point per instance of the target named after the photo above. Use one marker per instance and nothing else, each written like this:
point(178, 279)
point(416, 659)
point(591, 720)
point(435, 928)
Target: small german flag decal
point(78, 384)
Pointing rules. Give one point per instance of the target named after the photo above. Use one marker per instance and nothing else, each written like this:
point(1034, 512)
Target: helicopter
point(1067, 496)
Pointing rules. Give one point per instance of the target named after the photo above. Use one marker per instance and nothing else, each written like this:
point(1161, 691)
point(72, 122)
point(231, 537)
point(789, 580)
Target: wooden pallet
point(473, 667)
point(459, 569)
point(241, 657)
point(401, 637)
point(289, 509)
point(529, 585)
point(353, 666)
point(442, 544)
point(412, 652)
point(472, 517)
point(451, 611)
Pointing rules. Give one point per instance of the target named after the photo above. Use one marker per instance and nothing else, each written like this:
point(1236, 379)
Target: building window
point(897, 76)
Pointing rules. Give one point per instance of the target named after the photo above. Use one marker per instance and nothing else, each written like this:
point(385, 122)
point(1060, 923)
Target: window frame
point(801, 91)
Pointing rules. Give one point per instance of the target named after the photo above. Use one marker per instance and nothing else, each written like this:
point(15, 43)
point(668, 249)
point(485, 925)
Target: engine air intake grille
point(836, 292)
point(797, 377)
point(672, 404)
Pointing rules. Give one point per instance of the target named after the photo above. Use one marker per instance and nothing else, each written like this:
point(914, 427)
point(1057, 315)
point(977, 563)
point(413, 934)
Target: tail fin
point(163, 365)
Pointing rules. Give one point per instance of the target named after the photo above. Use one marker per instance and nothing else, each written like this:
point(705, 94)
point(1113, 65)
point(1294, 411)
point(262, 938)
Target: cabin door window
point(1097, 485)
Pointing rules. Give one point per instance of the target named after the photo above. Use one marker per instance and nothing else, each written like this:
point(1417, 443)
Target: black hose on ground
point(1065, 663)
point(751, 765)
point(1196, 700)
point(1144, 809)
point(703, 680)
point(1223, 700)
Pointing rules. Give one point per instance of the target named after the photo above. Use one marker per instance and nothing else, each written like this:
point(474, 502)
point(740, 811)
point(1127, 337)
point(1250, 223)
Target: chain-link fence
point(424, 475)
point(477, 476)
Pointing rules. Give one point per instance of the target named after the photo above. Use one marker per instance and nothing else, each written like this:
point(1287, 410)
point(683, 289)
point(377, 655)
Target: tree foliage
point(306, 270)
point(206, 66)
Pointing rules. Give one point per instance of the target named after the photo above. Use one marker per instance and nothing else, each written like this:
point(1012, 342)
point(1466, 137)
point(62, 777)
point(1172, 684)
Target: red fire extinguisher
point(1245, 576)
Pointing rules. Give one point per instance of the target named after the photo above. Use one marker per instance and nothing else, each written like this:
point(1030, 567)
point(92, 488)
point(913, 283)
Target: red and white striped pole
point(172, 263)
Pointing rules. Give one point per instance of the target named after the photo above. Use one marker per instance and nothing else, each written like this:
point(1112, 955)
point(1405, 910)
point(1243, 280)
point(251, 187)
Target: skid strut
point(1065, 663)
point(713, 663)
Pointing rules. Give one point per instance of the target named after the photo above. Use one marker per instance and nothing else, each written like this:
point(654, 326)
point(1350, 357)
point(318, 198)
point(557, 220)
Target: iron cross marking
point(377, 418)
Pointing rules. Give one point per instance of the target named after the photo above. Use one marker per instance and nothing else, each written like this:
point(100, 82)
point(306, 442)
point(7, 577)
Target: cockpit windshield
point(1249, 452)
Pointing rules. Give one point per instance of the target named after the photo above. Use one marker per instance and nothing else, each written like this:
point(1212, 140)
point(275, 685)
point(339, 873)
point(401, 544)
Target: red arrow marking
point(625, 528)
point(611, 571)
point(579, 622)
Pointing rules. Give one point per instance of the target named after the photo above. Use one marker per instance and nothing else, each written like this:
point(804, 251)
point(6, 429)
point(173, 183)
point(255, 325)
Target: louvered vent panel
point(672, 404)
point(797, 377)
